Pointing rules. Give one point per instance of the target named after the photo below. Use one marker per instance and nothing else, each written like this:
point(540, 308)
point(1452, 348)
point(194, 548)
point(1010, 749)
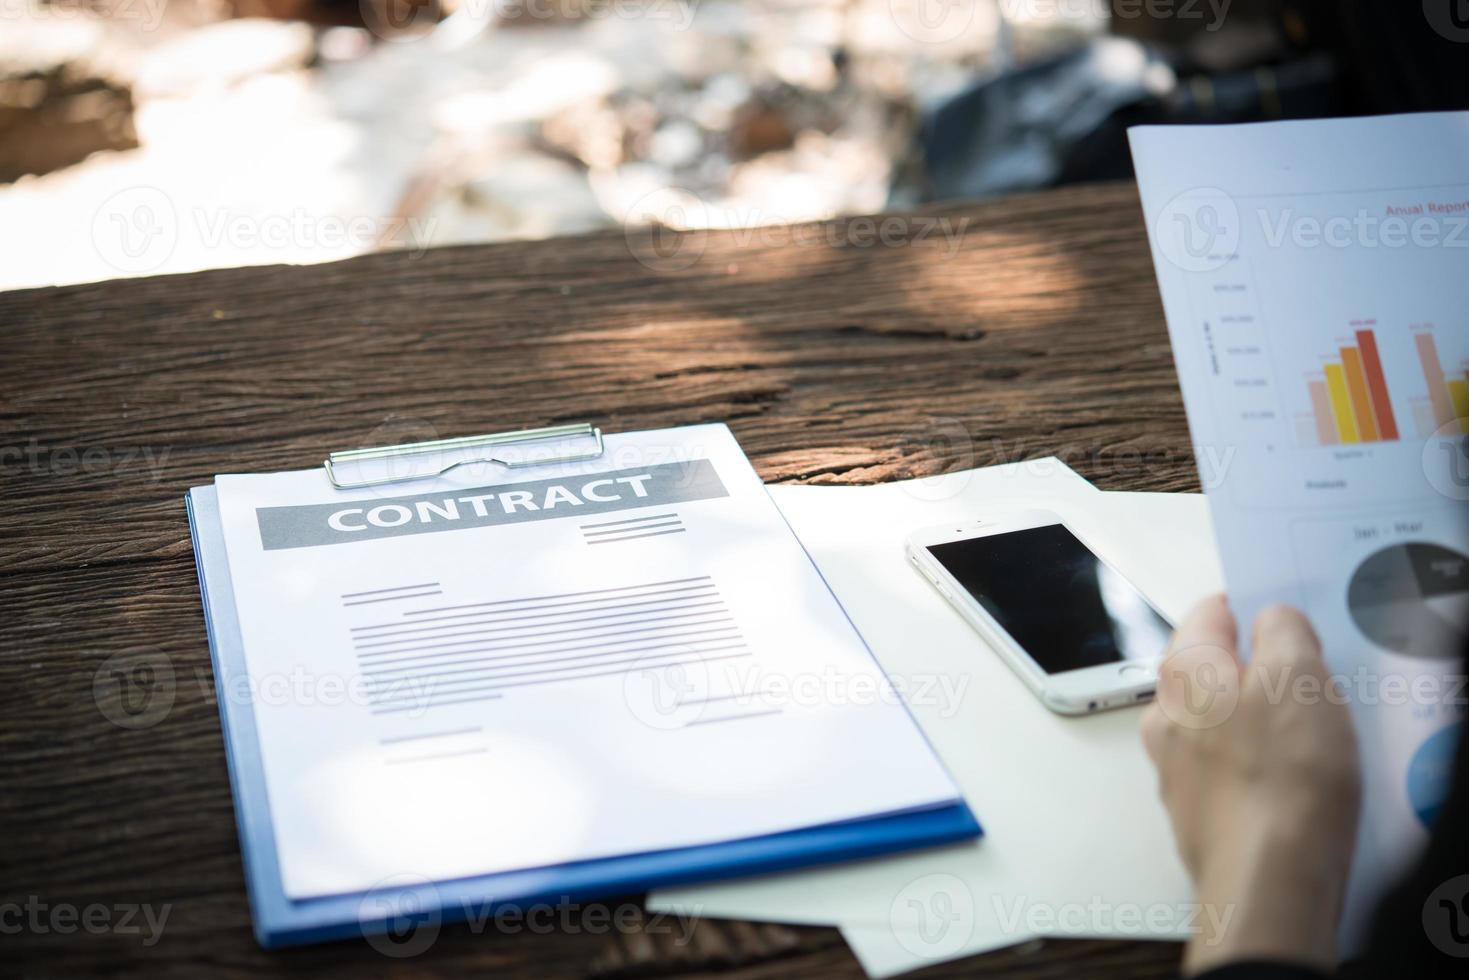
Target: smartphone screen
point(1065, 607)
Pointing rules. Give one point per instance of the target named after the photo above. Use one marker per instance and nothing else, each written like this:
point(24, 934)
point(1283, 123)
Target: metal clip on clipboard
point(488, 442)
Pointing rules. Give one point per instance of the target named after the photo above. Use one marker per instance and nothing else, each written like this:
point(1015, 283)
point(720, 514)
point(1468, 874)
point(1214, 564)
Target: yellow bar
point(1351, 360)
point(1459, 393)
point(1341, 403)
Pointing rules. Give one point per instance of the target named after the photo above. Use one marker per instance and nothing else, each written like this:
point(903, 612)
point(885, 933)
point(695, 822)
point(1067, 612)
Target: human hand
point(1262, 788)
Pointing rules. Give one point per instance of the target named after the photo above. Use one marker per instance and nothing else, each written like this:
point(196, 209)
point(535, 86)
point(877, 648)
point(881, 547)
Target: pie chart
point(1430, 772)
point(1413, 599)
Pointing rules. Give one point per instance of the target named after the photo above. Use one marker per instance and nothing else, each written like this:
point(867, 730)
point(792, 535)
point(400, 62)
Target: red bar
point(1387, 426)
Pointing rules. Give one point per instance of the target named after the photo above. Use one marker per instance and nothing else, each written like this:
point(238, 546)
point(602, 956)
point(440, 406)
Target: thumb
point(1199, 680)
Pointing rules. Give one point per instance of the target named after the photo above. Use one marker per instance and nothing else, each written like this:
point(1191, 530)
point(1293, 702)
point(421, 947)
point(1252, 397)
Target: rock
point(760, 127)
point(64, 93)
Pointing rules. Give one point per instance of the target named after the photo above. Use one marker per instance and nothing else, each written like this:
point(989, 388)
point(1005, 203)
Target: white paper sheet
point(490, 671)
point(886, 951)
point(1313, 276)
point(1076, 841)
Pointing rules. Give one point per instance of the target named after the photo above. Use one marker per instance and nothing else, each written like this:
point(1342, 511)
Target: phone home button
point(1130, 670)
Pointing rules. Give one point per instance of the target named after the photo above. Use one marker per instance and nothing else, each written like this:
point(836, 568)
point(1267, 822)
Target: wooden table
point(853, 352)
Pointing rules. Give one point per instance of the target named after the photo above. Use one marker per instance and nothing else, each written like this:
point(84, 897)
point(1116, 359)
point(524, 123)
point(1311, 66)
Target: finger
point(1208, 624)
point(1199, 681)
point(1153, 731)
point(1283, 636)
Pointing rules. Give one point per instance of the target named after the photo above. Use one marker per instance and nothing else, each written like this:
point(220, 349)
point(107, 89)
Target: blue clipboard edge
point(281, 921)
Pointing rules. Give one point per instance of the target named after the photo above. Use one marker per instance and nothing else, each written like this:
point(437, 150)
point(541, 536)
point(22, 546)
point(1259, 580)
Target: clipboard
point(281, 921)
point(466, 451)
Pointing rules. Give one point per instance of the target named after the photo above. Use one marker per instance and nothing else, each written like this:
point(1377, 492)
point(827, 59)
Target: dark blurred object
point(1398, 56)
point(1222, 35)
point(387, 19)
point(60, 98)
point(760, 126)
point(1395, 55)
point(395, 14)
point(1065, 120)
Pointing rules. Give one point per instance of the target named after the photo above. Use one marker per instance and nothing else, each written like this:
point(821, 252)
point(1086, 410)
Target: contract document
point(494, 670)
point(1313, 277)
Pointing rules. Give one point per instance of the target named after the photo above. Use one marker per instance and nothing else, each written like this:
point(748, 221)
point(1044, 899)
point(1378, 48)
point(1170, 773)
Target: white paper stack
point(1076, 841)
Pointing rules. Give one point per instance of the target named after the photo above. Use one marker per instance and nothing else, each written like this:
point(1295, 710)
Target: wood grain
point(835, 358)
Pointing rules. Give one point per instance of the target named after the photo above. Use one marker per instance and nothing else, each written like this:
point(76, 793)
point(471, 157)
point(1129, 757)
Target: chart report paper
point(1314, 279)
point(484, 672)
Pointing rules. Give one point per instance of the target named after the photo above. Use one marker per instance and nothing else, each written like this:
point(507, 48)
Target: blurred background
point(155, 136)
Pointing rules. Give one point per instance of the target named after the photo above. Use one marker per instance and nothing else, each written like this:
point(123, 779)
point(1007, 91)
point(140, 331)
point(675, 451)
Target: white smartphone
point(1081, 636)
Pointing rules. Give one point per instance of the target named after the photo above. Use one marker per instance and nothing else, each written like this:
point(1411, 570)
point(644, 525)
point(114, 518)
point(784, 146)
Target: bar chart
point(1448, 391)
point(1350, 402)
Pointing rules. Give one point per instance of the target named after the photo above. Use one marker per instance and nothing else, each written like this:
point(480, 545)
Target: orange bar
point(1351, 362)
point(1438, 391)
point(1387, 426)
point(1321, 409)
